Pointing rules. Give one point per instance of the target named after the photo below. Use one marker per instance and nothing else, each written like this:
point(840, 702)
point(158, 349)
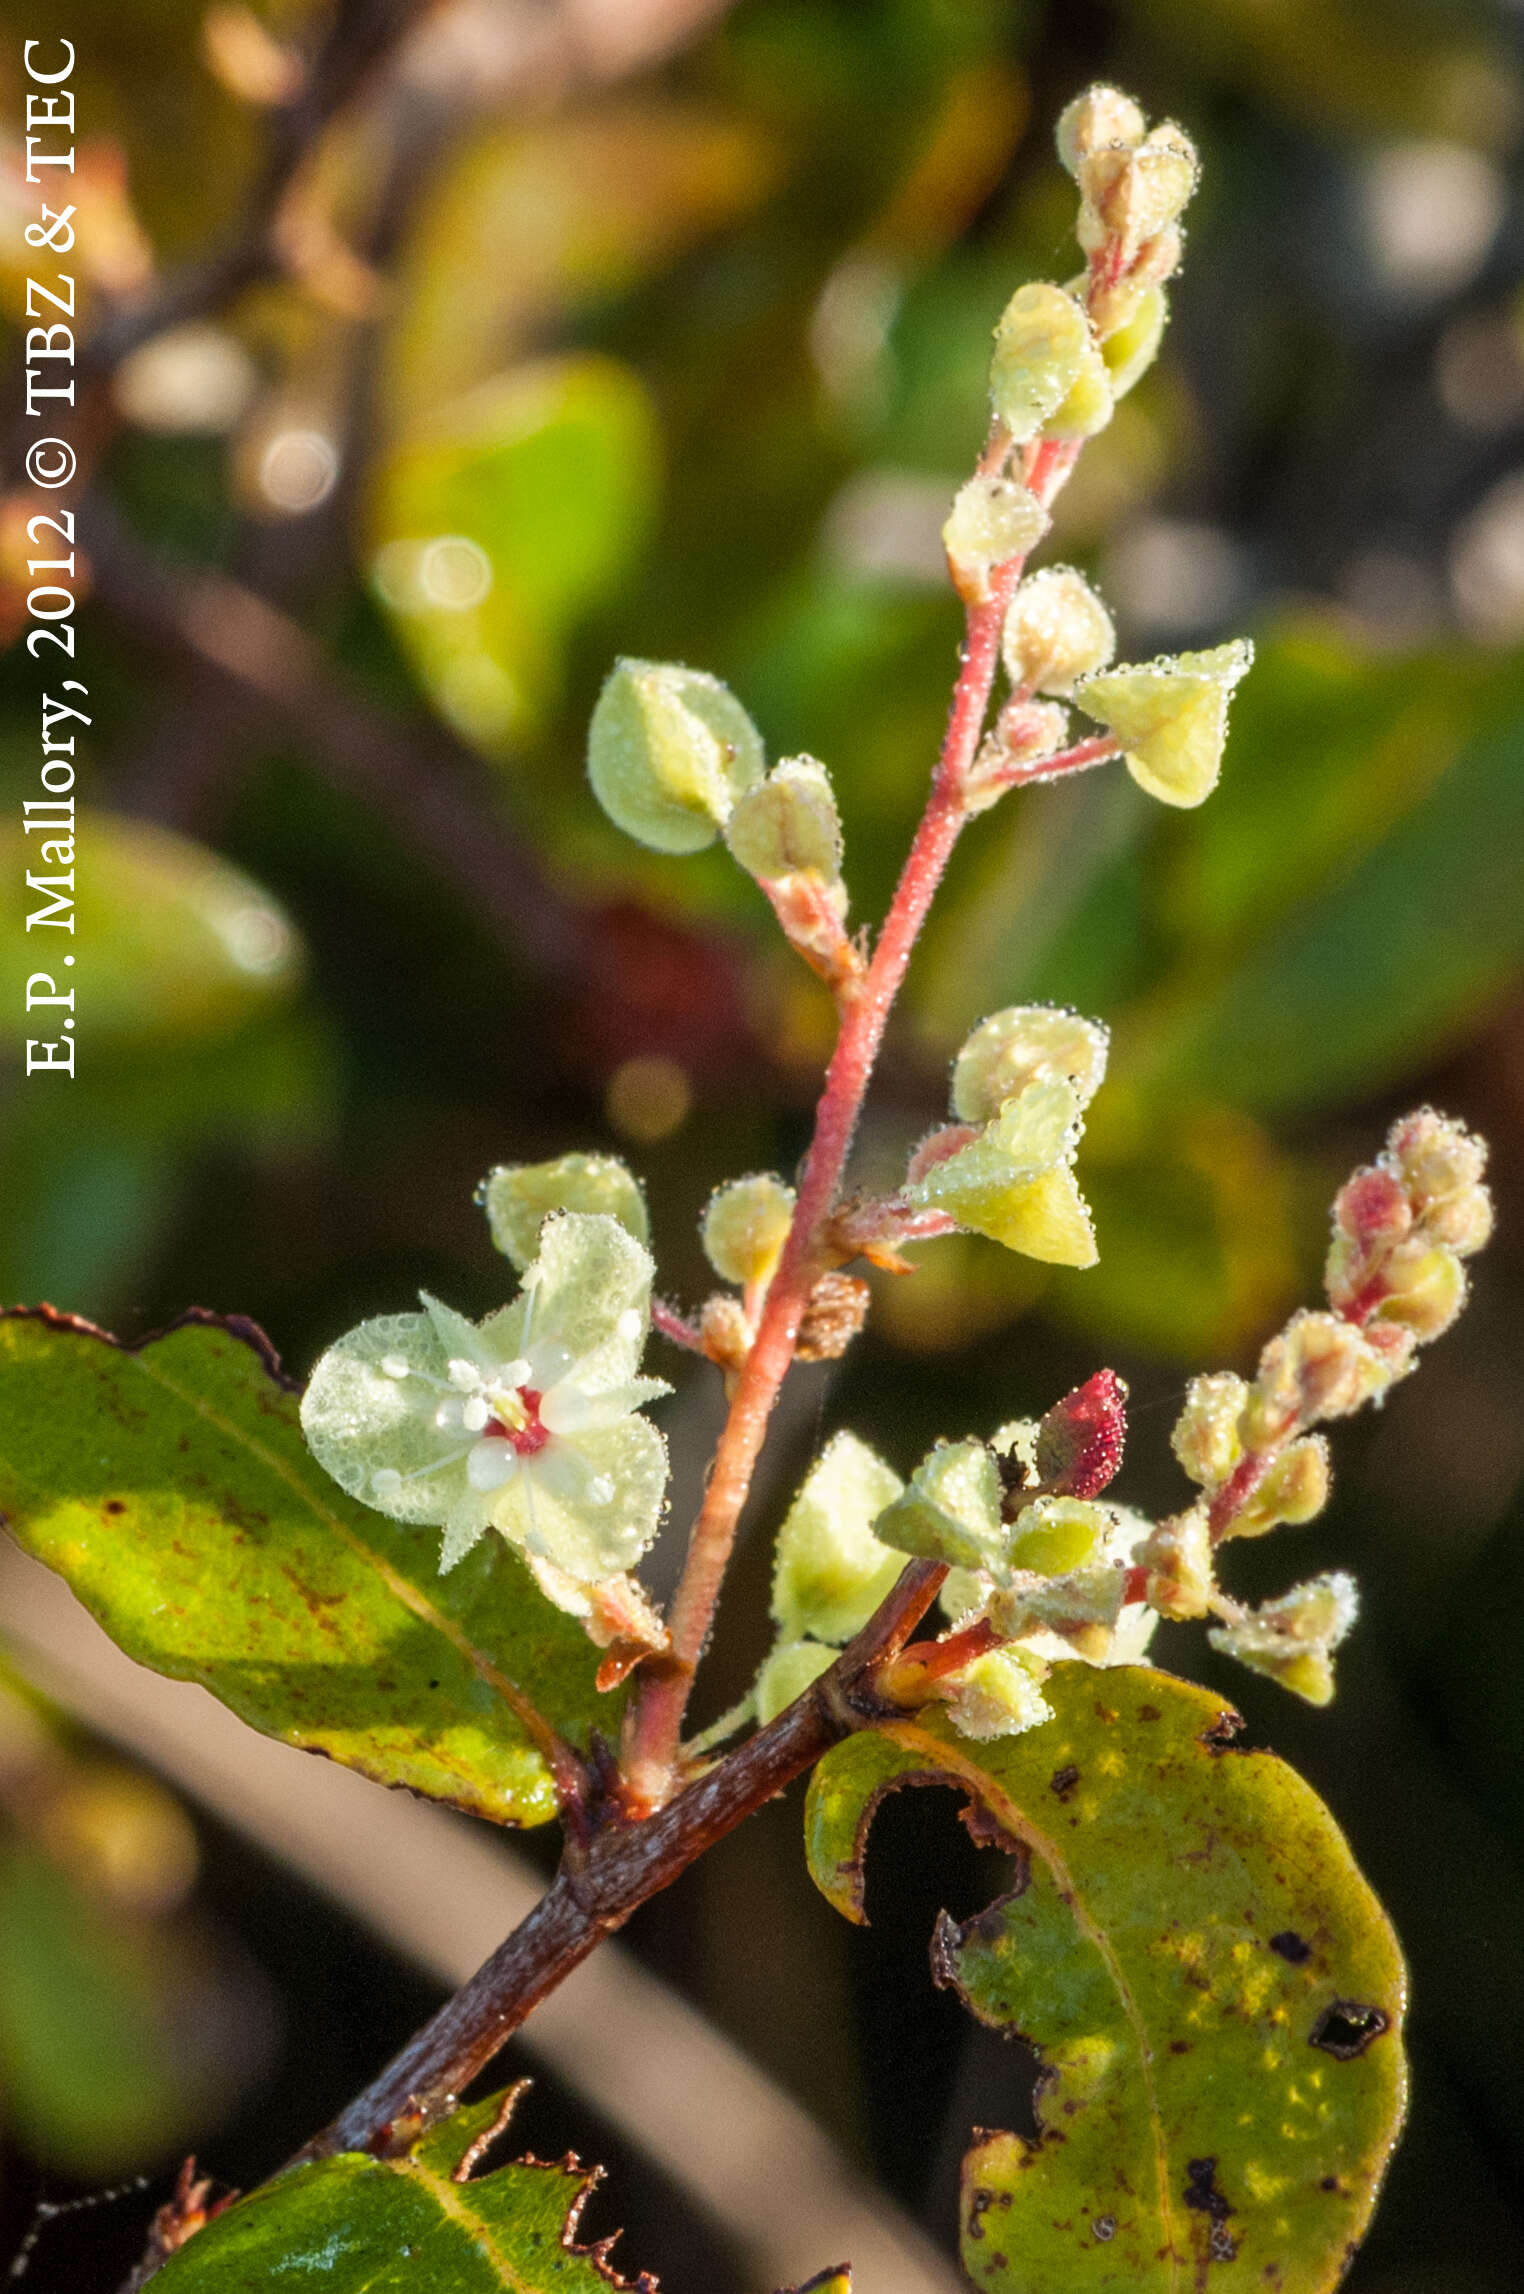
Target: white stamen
point(463, 1375)
point(474, 1414)
point(600, 1490)
point(518, 1372)
point(386, 1481)
point(394, 1366)
point(630, 1323)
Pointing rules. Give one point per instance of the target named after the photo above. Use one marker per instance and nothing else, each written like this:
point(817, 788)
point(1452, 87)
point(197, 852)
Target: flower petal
point(589, 1504)
point(361, 1421)
point(589, 1276)
point(569, 1407)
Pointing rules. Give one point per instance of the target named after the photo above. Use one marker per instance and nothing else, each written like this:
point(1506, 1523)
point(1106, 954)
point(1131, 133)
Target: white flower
point(524, 1423)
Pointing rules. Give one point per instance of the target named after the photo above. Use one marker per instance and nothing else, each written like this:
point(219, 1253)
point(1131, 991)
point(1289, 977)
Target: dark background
point(691, 355)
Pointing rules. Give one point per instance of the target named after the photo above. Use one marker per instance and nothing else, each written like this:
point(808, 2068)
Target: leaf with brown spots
point(1215, 1993)
point(355, 2223)
point(169, 1483)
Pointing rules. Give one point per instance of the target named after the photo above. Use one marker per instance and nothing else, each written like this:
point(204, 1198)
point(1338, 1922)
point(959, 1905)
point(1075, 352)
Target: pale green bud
point(519, 1197)
point(1435, 1156)
point(1319, 1366)
point(786, 1674)
point(1101, 116)
point(1026, 1044)
point(1294, 1490)
point(1427, 1288)
point(1293, 1639)
point(999, 1694)
point(1171, 717)
point(1130, 349)
point(1462, 1220)
point(1205, 1437)
point(669, 752)
point(746, 1226)
point(1082, 1606)
point(1043, 344)
point(951, 1511)
point(830, 1572)
point(1056, 631)
point(991, 521)
point(1178, 1558)
point(1024, 733)
point(1128, 197)
point(787, 825)
point(1053, 1535)
point(1087, 406)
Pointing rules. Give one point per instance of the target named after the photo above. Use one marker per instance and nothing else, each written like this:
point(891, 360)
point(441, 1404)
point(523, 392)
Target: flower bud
point(669, 752)
point(1102, 115)
point(1043, 343)
point(1023, 734)
point(1131, 348)
point(1014, 1184)
point(1056, 630)
point(1319, 1366)
point(788, 824)
point(786, 1674)
point(834, 1313)
point(1080, 1440)
point(1178, 1559)
point(1171, 717)
point(1158, 259)
point(998, 1695)
point(1426, 1289)
point(1082, 1606)
point(1054, 1535)
point(1205, 1437)
point(991, 521)
point(1128, 197)
point(1022, 1045)
point(951, 1511)
point(830, 1571)
point(1435, 1156)
point(1462, 1220)
point(746, 1226)
point(1294, 1490)
point(725, 1331)
point(1373, 1207)
point(519, 1197)
point(1293, 1639)
point(1087, 405)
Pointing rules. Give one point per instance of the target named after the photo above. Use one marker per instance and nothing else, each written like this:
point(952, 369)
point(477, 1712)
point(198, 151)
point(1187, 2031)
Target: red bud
point(1079, 1443)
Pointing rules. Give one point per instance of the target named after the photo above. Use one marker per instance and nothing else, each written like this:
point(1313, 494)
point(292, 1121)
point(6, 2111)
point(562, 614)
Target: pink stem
point(675, 1326)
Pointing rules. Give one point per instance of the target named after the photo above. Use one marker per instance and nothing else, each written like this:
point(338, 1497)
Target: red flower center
point(527, 1438)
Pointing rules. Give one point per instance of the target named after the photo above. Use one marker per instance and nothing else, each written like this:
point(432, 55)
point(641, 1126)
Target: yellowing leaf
point(1213, 1989)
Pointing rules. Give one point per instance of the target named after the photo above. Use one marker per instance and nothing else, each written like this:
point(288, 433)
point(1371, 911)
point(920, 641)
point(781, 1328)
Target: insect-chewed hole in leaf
point(1346, 2028)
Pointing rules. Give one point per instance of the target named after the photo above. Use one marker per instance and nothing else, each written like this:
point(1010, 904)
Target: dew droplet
point(630, 1323)
point(600, 1490)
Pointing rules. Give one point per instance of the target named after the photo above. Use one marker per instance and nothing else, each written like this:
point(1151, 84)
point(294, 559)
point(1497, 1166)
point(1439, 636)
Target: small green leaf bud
point(1056, 631)
point(786, 1674)
point(1426, 1288)
point(1293, 1490)
point(999, 1694)
point(519, 1197)
point(1178, 1558)
point(1205, 1437)
point(1128, 197)
point(991, 521)
point(669, 752)
point(746, 1226)
point(1014, 1184)
point(1055, 1534)
point(1101, 116)
point(1171, 717)
point(1043, 343)
point(1026, 1044)
point(1293, 1639)
point(951, 1511)
point(1131, 348)
point(830, 1572)
point(788, 825)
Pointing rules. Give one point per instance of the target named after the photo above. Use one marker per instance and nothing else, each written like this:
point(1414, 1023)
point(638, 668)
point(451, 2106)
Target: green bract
point(1171, 717)
point(951, 1510)
point(746, 1226)
point(1013, 1183)
point(669, 751)
point(830, 1571)
point(1130, 349)
point(788, 824)
point(519, 1197)
point(1293, 1639)
point(524, 1423)
point(1043, 345)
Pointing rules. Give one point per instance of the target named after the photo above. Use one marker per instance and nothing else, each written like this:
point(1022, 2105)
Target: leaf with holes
point(427, 2219)
point(1213, 1989)
point(170, 1485)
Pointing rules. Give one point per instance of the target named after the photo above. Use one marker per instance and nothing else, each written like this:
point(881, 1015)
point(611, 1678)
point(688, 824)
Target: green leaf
point(1214, 1990)
point(170, 1485)
point(363, 2224)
